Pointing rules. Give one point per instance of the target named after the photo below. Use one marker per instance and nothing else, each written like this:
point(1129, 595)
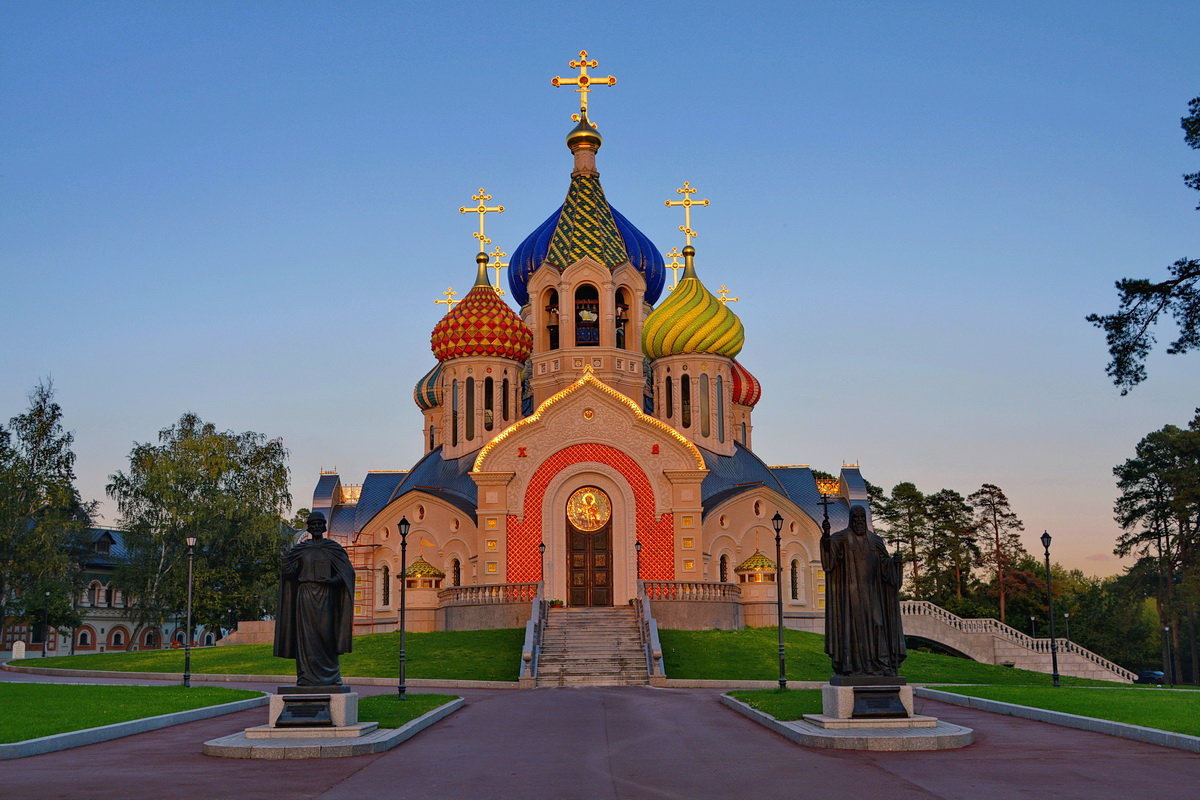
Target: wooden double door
point(589, 549)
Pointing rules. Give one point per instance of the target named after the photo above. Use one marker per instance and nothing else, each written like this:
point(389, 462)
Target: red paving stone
point(629, 743)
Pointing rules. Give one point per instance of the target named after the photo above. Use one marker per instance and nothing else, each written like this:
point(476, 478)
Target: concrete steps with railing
point(592, 647)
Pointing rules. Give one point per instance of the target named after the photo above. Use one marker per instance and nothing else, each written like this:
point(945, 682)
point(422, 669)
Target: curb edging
point(104, 733)
point(1124, 730)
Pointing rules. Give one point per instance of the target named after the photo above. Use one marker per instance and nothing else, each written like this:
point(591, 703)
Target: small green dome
point(692, 320)
point(423, 569)
point(756, 563)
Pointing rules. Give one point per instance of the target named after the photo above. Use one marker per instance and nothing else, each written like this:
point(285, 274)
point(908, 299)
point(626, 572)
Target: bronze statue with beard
point(316, 607)
point(863, 635)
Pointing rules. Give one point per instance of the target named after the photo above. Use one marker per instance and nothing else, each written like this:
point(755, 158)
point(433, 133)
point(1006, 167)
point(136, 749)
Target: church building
point(596, 438)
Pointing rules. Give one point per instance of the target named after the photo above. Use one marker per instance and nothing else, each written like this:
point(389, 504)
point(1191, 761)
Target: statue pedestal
point(851, 702)
point(306, 712)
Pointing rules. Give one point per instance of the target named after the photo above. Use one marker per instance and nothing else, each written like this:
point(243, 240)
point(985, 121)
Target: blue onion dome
point(640, 251)
point(425, 393)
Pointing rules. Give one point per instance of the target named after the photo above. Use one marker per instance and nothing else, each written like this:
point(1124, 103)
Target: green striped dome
point(692, 320)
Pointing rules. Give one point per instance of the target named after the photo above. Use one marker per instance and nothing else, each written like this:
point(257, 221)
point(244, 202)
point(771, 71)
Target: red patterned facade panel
point(656, 535)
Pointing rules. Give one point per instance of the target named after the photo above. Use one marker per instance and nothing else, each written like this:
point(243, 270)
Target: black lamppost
point(1067, 619)
point(1050, 603)
point(542, 556)
point(637, 551)
point(1033, 626)
point(1170, 665)
point(777, 524)
point(46, 626)
point(403, 527)
point(187, 634)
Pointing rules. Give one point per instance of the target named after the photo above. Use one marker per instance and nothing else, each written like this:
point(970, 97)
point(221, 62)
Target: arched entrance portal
point(589, 548)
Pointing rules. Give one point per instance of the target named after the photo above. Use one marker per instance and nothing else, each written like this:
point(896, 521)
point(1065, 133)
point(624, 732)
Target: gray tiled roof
point(445, 478)
point(377, 489)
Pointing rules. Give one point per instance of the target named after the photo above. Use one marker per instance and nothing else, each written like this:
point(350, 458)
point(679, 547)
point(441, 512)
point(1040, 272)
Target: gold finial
point(674, 265)
point(725, 298)
point(482, 196)
point(449, 302)
point(687, 190)
point(584, 81)
point(499, 266)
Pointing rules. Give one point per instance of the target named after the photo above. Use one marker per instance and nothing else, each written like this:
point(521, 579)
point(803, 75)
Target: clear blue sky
point(247, 209)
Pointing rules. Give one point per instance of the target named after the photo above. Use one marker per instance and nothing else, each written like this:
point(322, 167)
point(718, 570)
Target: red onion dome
point(747, 391)
point(481, 325)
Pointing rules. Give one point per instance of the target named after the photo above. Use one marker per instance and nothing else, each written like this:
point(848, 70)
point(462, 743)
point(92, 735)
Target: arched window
point(489, 388)
point(118, 639)
point(179, 636)
point(385, 586)
point(724, 569)
point(685, 401)
point(670, 407)
point(720, 409)
point(704, 415)
point(470, 410)
point(587, 316)
point(115, 598)
point(454, 412)
point(504, 399)
point(95, 593)
point(150, 639)
point(85, 639)
point(456, 573)
point(209, 641)
point(551, 320)
point(795, 579)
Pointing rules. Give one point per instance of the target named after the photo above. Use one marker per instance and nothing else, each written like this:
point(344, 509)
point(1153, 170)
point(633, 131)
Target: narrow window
point(587, 316)
point(724, 569)
point(454, 412)
point(208, 640)
point(743, 433)
point(705, 427)
point(622, 316)
point(552, 320)
point(456, 573)
point(118, 639)
point(385, 586)
point(84, 639)
point(504, 399)
point(685, 401)
point(670, 411)
point(720, 409)
point(489, 386)
point(470, 410)
point(432, 442)
point(795, 580)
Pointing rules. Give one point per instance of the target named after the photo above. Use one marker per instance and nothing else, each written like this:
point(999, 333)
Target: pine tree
point(998, 527)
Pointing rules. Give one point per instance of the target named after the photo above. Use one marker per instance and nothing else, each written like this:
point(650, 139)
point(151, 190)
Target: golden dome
point(584, 135)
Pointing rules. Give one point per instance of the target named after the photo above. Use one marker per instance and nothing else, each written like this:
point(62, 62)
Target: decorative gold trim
point(589, 378)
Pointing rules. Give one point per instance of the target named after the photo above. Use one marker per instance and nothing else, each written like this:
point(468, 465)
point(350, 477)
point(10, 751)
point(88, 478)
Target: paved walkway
point(631, 743)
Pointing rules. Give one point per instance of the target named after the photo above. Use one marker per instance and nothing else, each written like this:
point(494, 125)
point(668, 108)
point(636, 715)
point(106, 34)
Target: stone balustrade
point(692, 591)
point(488, 594)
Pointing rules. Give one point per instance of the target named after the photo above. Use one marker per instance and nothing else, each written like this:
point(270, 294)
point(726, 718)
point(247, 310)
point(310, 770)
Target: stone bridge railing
point(1011, 642)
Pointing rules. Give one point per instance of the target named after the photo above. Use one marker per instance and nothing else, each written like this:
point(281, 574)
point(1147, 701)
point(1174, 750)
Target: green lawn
point(32, 710)
point(1164, 709)
point(389, 712)
point(492, 655)
point(785, 705)
point(753, 654)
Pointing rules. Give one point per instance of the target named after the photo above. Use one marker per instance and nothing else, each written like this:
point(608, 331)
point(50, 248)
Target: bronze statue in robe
point(316, 607)
point(863, 634)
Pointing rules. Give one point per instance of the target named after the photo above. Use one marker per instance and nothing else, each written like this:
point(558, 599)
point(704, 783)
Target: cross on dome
point(725, 298)
point(674, 265)
point(499, 266)
point(583, 80)
point(687, 190)
point(449, 302)
point(482, 197)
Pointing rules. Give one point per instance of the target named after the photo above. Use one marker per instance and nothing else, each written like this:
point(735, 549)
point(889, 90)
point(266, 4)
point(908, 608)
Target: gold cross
point(725, 298)
point(674, 265)
point(499, 266)
point(482, 196)
point(449, 302)
point(687, 190)
point(584, 81)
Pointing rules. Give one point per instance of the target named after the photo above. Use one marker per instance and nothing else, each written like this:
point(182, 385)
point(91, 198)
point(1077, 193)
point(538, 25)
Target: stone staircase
point(592, 647)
